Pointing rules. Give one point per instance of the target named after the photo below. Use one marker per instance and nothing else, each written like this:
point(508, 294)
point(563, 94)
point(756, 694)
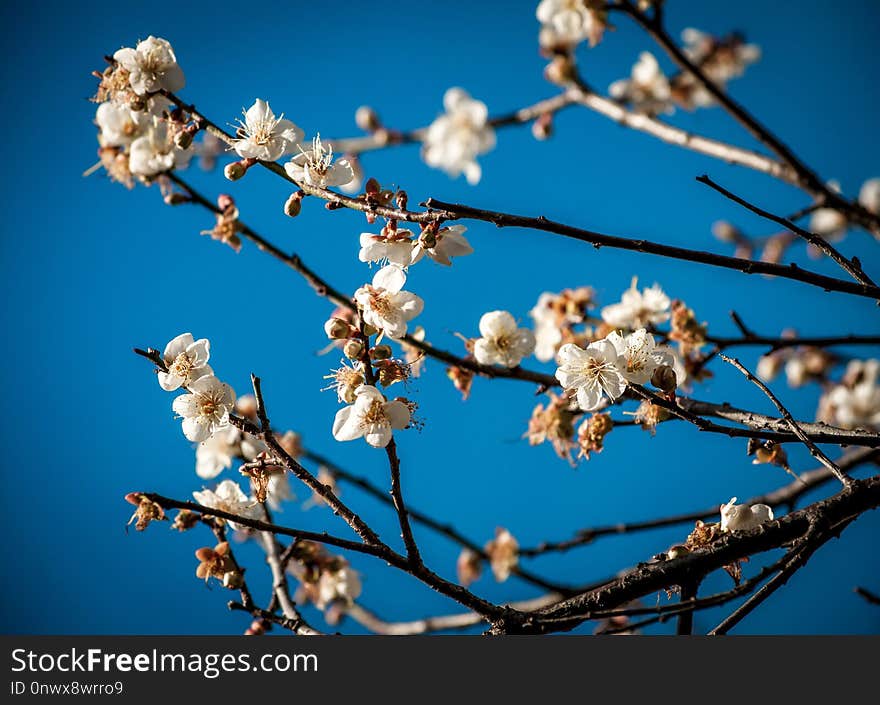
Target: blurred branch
point(786, 496)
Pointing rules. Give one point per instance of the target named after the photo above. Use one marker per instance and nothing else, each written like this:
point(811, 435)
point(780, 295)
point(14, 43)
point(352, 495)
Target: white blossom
point(279, 490)
point(638, 355)
point(638, 308)
point(856, 404)
point(719, 61)
point(829, 223)
point(739, 517)
point(869, 195)
point(502, 342)
point(371, 417)
point(455, 139)
point(205, 409)
point(186, 360)
point(591, 372)
point(571, 21)
point(154, 152)
point(228, 497)
point(315, 167)
point(442, 246)
point(394, 247)
point(119, 124)
point(151, 66)
point(548, 334)
point(385, 306)
point(217, 452)
point(342, 585)
point(647, 89)
point(266, 137)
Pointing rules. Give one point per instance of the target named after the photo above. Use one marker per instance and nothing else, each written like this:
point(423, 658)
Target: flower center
point(375, 414)
point(379, 303)
point(182, 366)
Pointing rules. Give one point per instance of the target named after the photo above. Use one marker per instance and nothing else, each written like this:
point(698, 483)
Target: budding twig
point(792, 424)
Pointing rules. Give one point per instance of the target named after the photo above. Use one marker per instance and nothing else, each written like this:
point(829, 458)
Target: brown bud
point(183, 139)
point(293, 205)
point(542, 128)
point(664, 378)
point(381, 352)
point(176, 198)
point(367, 119)
point(353, 349)
point(337, 329)
point(559, 71)
point(234, 171)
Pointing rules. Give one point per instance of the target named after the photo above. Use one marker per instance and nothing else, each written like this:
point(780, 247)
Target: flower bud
point(176, 198)
point(542, 128)
point(225, 202)
point(664, 378)
point(183, 139)
point(246, 405)
point(137, 103)
point(428, 238)
point(369, 330)
point(726, 232)
point(381, 352)
point(353, 349)
point(367, 119)
point(337, 329)
point(293, 205)
point(559, 71)
point(234, 171)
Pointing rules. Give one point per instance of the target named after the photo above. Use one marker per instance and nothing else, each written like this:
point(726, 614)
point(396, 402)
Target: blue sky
point(92, 270)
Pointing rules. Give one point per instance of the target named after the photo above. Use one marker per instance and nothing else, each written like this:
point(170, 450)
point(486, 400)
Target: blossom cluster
point(140, 135)
point(566, 23)
point(457, 137)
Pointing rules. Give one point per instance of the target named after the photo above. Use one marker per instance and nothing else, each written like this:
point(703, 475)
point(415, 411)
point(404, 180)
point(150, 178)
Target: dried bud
point(367, 119)
point(293, 205)
point(234, 171)
point(592, 432)
point(353, 349)
point(185, 520)
point(381, 352)
point(664, 378)
point(462, 379)
point(401, 199)
point(147, 510)
point(337, 329)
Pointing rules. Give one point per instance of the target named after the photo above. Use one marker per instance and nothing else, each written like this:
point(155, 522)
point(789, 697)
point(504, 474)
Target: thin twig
point(852, 267)
point(815, 451)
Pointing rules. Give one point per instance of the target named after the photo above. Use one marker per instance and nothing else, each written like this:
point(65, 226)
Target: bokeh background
point(91, 270)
